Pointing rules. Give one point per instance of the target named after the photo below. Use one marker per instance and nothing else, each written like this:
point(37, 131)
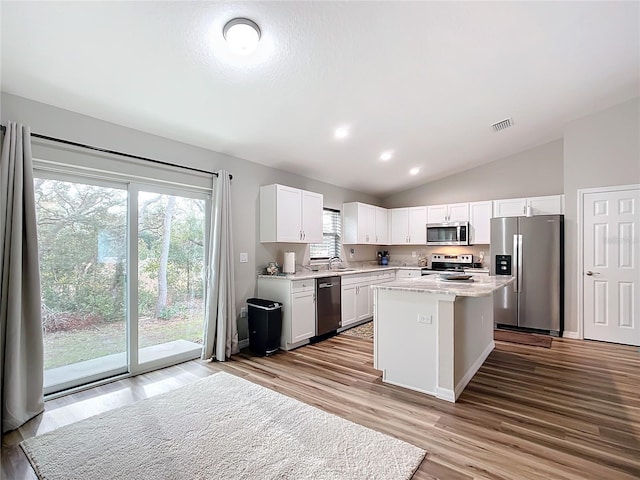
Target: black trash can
point(265, 325)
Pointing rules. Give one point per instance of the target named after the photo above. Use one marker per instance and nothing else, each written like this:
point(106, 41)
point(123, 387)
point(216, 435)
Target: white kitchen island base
point(432, 340)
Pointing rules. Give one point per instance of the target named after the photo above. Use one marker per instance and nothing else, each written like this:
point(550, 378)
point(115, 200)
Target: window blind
point(331, 236)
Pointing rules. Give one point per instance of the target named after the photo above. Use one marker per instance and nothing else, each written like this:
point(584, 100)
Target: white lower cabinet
point(303, 314)
point(364, 308)
point(408, 273)
point(298, 299)
point(356, 301)
point(348, 305)
point(357, 297)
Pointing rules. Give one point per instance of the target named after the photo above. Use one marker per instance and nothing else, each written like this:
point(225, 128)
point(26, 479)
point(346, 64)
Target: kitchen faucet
point(332, 259)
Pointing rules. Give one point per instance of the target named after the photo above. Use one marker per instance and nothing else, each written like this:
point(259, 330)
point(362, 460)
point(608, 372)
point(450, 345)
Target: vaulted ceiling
point(424, 80)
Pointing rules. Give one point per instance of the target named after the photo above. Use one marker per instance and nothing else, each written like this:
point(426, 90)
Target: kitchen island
point(432, 335)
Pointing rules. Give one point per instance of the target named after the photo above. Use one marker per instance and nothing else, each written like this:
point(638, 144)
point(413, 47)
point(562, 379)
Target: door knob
point(590, 273)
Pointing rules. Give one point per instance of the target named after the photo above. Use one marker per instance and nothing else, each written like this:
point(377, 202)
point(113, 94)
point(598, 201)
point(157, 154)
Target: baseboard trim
point(398, 384)
point(569, 334)
point(446, 394)
point(473, 370)
point(243, 343)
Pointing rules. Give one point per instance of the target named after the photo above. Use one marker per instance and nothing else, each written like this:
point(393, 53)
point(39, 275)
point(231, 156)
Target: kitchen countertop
point(482, 285)
point(331, 273)
point(476, 270)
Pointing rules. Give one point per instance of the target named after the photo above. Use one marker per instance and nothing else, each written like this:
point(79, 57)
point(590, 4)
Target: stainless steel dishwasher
point(328, 309)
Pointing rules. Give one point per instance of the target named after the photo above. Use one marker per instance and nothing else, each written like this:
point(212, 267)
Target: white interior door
point(611, 275)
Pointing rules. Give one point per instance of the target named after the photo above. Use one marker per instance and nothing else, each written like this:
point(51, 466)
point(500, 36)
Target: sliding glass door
point(82, 231)
point(171, 265)
point(122, 275)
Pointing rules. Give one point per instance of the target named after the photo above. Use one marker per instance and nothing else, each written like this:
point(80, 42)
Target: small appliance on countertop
point(289, 264)
point(383, 257)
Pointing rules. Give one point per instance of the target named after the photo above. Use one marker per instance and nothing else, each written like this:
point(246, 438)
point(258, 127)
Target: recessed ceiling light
point(385, 156)
point(342, 132)
point(414, 171)
point(242, 35)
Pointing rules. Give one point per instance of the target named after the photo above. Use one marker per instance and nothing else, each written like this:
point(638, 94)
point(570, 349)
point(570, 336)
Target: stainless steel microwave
point(452, 233)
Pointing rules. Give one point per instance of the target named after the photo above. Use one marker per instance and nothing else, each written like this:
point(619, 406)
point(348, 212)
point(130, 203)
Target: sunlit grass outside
point(68, 347)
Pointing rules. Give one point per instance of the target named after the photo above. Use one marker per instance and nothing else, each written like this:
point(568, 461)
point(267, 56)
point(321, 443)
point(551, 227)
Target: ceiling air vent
point(502, 124)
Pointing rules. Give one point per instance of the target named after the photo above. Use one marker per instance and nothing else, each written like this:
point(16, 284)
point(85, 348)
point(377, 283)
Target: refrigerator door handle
point(515, 264)
point(519, 280)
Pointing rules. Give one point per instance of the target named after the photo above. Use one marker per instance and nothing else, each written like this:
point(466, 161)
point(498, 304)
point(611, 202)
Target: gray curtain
point(221, 325)
point(21, 349)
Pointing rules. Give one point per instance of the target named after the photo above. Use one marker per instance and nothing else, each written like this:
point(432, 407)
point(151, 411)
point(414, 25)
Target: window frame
point(337, 241)
point(132, 184)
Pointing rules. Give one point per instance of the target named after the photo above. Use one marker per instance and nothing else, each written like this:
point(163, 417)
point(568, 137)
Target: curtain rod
point(114, 152)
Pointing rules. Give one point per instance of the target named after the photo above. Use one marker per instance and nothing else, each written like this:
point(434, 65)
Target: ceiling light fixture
point(342, 132)
point(242, 35)
point(414, 171)
point(386, 155)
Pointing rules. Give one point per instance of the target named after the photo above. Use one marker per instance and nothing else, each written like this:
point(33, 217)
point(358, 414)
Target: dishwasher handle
point(327, 285)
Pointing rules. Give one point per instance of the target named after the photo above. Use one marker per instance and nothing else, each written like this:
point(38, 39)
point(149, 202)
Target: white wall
point(247, 176)
point(602, 149)
point(534, 172)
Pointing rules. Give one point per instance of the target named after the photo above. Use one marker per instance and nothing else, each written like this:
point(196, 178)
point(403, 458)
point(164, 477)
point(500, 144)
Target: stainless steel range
point(448, 263)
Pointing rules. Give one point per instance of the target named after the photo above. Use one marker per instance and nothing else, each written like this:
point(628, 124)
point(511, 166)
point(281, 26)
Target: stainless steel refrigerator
point(532, 250)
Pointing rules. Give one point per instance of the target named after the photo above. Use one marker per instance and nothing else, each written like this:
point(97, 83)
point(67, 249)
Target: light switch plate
point(244, 257)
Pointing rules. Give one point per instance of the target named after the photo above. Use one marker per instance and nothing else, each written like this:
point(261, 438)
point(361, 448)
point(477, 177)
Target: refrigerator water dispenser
point(503, 265)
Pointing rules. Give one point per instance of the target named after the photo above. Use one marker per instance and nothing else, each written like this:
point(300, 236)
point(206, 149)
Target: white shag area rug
point(220, 427)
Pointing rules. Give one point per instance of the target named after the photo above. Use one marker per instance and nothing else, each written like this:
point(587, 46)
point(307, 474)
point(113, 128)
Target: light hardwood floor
point(568, 412)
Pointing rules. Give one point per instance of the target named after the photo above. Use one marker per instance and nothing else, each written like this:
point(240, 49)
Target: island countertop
point(481, 286)
point(307, 275)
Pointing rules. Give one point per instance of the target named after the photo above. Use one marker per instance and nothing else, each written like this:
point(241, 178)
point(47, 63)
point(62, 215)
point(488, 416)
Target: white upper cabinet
point(382, 226)
point(364, 224)
point(290, 215)
point(459, 212)
point(510, 207)
point(312, 205)
point(409, 226)
point(418, 225)
point(548, 205)
point(517, 207)
point(480, 214)
point(455, 212)
point(437, 213)
point(400, 226)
